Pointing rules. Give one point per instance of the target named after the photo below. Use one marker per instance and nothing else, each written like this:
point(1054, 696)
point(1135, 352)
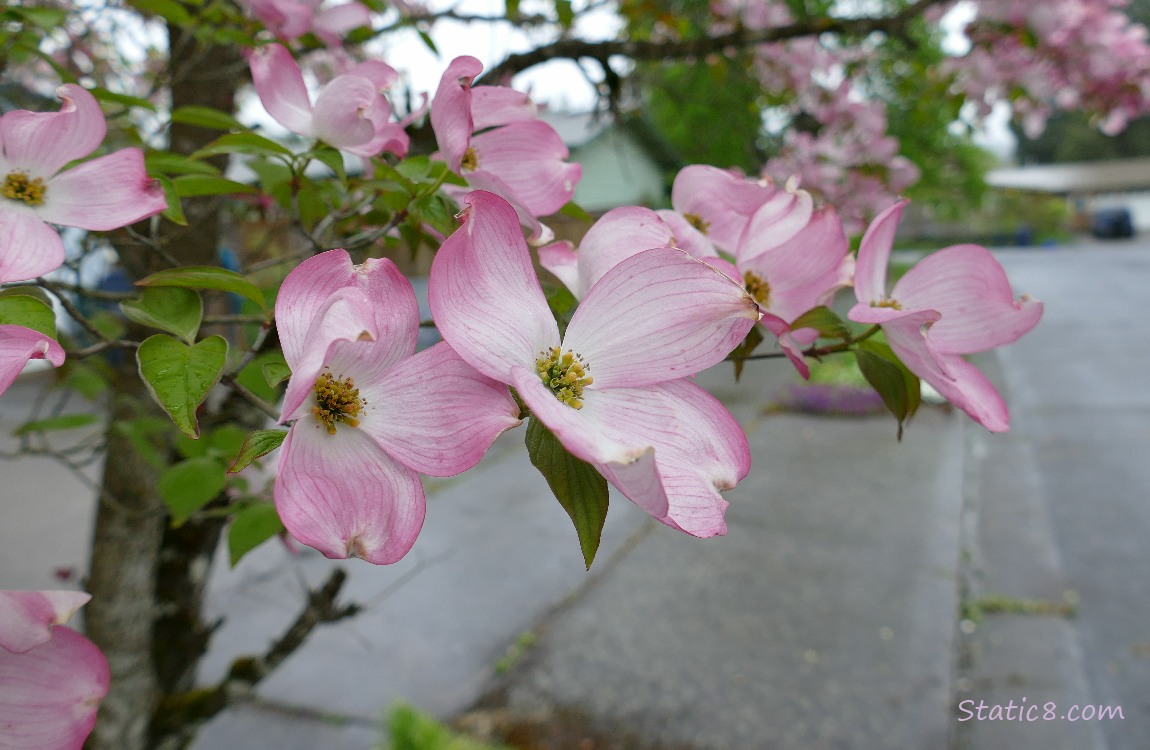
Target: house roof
point(1075, 177)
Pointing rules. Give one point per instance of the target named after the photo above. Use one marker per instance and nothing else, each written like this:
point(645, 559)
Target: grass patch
point(409, 729)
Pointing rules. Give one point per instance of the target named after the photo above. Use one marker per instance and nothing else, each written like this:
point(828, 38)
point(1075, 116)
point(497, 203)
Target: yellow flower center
point(470, 160)
point(891, 303)
point(565, 373)
point(757, 288)
point(697, 222)
point(18, 187)
point(336, 400)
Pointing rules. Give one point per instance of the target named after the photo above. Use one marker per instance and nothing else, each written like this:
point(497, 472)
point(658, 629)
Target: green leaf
point(565, 12)
point(169, 10)
point(898, 386)
point(207, 277)
point(744, 350)
point(164, 163)
point(258, 443)
point(276, 373)
point(206, 117)
point(64, 422)
point(253, 526)
point(172, 309)
point(427, 41)
point(189, 485)
point(29, 307)
point(580, 489)
point(575, 211)
point(104, 95)
point(145, 434)
point(825, 321)
point(174, 212)
point(192, 185)
point(332, 159)
point(242, 143)
point(46, 18)
point(180, 376)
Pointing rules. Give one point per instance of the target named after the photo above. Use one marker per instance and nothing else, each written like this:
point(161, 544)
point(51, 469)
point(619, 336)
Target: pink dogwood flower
point(493, 137)
point(104, 193)
point(796, 276)
point(19, 345)
point(368, 412)
point(291, 19)
point(350, 111)
point(52, 679)
point(613, 389)
point(953, 302)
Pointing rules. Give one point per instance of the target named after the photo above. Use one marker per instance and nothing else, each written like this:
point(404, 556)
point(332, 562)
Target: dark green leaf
point(575, 211)
point(169, 10)
point(744, 350)
point(580, 489)
point(428, 42)
point(174, 212)
point(64, 422)
point(332, 159)
point(898, 386)
point(206, 117)
point(189, 485)
point(565, 13)
point(253, 526)
point(191, 185)
point(104, 95)
point(207, 277)
point(172, 309)
point(164, 163)
point(180, 376)
point(243, 143)
point(29, 307)
point(825, 321)
point(258, 443)
point(45, 18)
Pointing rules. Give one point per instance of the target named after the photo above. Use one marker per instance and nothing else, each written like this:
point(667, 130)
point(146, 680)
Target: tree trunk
point(147, 581)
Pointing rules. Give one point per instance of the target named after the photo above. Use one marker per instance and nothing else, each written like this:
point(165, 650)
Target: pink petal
point(966, 284)
point(343, 495)
point(381, 75)
point(434, 413)
point(538, 233)
point(27, 617)
point(19, 345)
point(907, 335)
point(332, 24)
point(105, 193)
point(686, 237)
point(725, 201)
point(492, 106)
point(451, 109)
point(532, 159)
point(484, 294)
point(42, 142)
point(874, 255)
point(280, 86)
point(560, 259)
point(669, 448)
point(28, 247)
point(779, 219)
point(970, 391)
point(616, 236)
point(284, 18)
point(659, 315)
point(50, 694)
point(308, 287)
point(340, 111)
point(787, 342)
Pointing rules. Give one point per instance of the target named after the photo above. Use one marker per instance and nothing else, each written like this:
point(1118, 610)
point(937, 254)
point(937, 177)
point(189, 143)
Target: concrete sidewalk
point(831, 616)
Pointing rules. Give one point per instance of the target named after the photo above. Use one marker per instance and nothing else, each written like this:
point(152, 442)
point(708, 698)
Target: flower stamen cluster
point(470, 160)
point(698, 222)
point(565, 373)
point(18, 187)
point(892, 304)
point(757, 287)
point(337, 400)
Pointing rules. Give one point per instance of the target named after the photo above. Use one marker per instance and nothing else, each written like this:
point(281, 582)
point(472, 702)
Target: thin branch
point(268, 409)
point(742, 38)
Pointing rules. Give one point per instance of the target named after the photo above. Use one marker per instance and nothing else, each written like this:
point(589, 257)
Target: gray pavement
point(831, 616)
